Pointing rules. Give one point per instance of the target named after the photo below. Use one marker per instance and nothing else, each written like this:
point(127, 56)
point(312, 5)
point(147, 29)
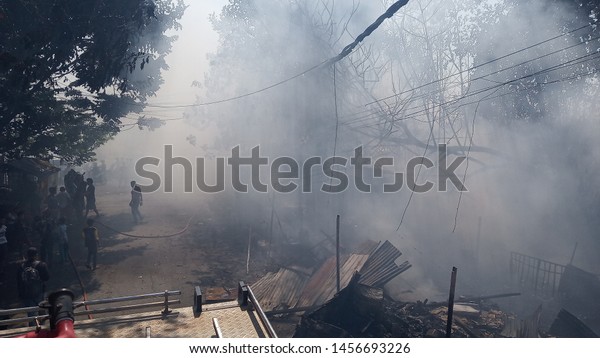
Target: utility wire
point(595, 70)
point(369, 116)
point(482, 77)
point(413, 115)
point(482, 64)
point(572, 62)
point(464, 177)
point(240, 96)
point(394, 8)
point(345, 52)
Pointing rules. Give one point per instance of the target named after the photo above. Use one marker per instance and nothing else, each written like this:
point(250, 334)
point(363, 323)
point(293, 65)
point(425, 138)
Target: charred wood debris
point(363, 311)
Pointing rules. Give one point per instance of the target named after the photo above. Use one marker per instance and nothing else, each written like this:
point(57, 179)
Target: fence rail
point(166, 303)
point(261, 314)
point(540, 276)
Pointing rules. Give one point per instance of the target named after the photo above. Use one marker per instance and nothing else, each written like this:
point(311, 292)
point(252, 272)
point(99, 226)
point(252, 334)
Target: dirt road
point(203, 255)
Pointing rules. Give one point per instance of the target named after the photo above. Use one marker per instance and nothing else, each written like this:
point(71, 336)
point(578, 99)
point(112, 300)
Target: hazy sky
point(187, 63)
point(188, 60)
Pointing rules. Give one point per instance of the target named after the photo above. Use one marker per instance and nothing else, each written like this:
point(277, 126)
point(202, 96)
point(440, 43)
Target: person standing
point(90, 198)
point(31, 279)
point(135, 202)
point(90, 235)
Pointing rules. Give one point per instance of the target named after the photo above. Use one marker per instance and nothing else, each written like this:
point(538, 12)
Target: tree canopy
point(70, 70)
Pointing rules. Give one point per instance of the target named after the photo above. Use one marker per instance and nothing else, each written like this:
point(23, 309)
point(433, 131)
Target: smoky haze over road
point(465, 74)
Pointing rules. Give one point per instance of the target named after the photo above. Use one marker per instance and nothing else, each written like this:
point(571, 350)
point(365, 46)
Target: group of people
point(44, 241)
point(52, 238)
point(77, 194)
point(51, 227)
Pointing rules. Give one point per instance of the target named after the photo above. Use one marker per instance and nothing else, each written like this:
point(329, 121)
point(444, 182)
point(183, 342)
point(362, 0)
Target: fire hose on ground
point(84, 293)
point(60, 303)
point(149, 236)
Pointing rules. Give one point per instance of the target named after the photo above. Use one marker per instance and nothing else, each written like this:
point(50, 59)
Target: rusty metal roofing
point(322, 285)
point(290, 288)
point(280, 289)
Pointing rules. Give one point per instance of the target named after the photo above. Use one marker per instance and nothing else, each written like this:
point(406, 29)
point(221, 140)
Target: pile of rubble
point(363, 311)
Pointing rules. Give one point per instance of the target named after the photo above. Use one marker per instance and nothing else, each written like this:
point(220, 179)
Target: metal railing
point(166, 303)
point(540, 276)
point(217, 328)
point(261, 314)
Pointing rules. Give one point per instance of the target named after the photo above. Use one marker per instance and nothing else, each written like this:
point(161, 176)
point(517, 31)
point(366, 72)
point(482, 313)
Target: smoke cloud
point(533, 155)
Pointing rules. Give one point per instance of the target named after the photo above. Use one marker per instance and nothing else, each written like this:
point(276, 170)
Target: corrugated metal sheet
point(279, 289)
point(381, 266)
point(323, 286)
point(290, 288)
point(316, 282)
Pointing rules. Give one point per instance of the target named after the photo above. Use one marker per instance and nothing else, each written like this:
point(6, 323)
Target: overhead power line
point(348, 49)
point(482, 64)
point(240, 96)
point(345, 52)
point(573, 62)
point(370, 115)
point(484, 77)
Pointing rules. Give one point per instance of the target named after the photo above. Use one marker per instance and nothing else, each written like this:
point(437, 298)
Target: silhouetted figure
point(90, 235)
point(135, 202)
point(31, 278)
point(90, 197)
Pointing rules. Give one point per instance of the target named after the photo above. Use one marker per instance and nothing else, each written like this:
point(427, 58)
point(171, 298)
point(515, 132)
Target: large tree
point(71, 69)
